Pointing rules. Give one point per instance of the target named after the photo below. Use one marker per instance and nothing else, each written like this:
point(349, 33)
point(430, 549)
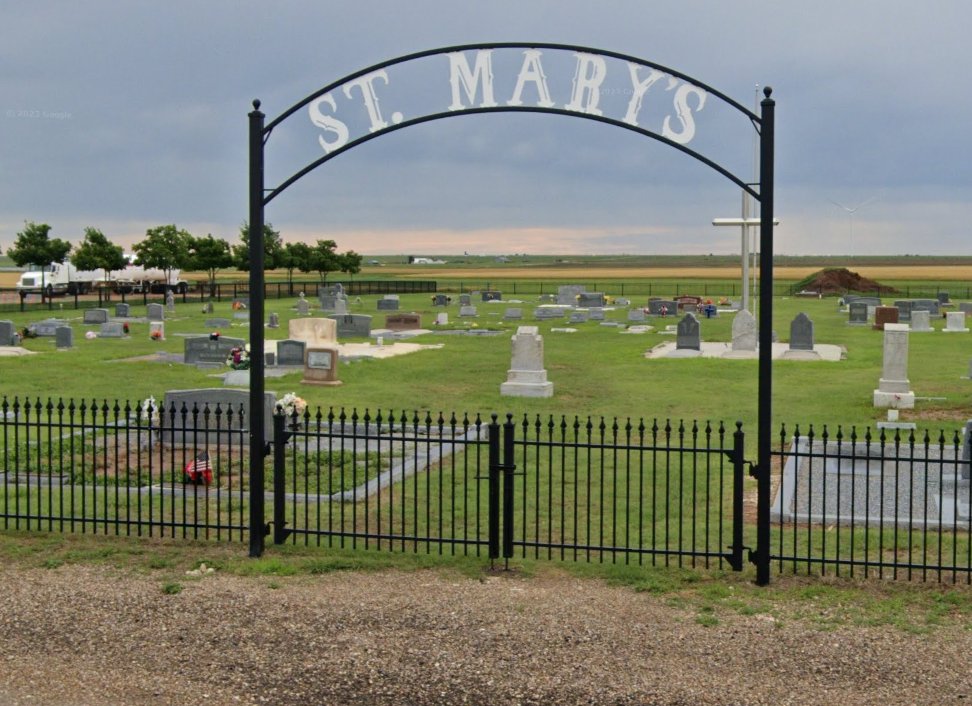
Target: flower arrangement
point(239, 358)
point(150, 411)
point(156, 335)
point(291, 405)
point(214, 336)
point(125, 328)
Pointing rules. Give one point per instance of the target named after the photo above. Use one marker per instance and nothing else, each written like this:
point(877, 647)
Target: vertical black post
point(508, 468)
point(765, 414)
point(257, 416)
point(738, 478)
point(494, 490)
point(279, 481)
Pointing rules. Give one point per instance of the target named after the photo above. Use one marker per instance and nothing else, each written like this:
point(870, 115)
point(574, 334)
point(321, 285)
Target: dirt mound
point(837, 280)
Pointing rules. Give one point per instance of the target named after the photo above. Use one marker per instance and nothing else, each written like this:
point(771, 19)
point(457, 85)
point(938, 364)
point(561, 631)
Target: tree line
point(169, 248)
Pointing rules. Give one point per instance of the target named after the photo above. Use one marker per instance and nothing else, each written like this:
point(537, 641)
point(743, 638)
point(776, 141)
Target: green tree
point(323, 259)
point(272, 248)
point(96, 252)
point(164, 247)
point(34, 246)
point(295, 256)
point(351, 262)
point(209, 254)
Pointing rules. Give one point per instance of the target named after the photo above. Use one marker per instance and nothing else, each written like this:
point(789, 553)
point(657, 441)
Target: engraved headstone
point(513, 314)
point(387, 304)
point(353, 325)
point(313, 330)
point(894, 387)
point(47, 327)
point(206, 351)
point(567, 294)
point(403, 322)
point(597, 314)
point(491, 296)
point(303, 306)
point(7, 332)
point(636, 315)
point(440, 300)
point(932, 306)
point(921, 321)
point(744, 331)
point(467, 311)
point(112, 329)
point(155, 312)
point(801, 333)
point(688, 335)
point(662, 307)
point(885, 315)
point(955, 322)
point(548, 312)
point(577, 317)
point(588, 299)
point(321, 367)
point(227, 421)
point(465, 300)
point(208, 309)
point(527, 376)
point(273, 321)
point(340, 306)
point(123, 310)
point(904, 310)
point(64, 337)
point(170, 302)
point(95, 316)
point(441, 319)
point(291, 352)
point(943, 298)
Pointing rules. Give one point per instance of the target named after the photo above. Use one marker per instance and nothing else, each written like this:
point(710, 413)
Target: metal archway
point(584, 103)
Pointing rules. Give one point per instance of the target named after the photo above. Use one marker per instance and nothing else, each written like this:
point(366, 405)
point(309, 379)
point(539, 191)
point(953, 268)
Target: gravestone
point(597, 314)
point(467, 311)
point(465, 300)
point(965, 308)
point(95, 316)
point(340, 307)
point(206, 352)
point(689, 304)
point(217, 323)
point(7, 332)
point(491, 296)
point(544, 313)
point(622, 301)
point(548, 299)
point(801, 333)
point(586, 300)
point(321, 367)
point(313, 330)
point(241, 315)
point(744, 331)
point(567, 294)
point(689, 308)
point(577, 317)
point(123, 311)
point(208, 309)
point(870, 301)
point(352, 325)
point(930, 305)
point(513, 314)
point(157, 330)
point(440, 300)
point(688, 335)
point(303, 306)
point(955, 322)
point(662, 307)
point(943, 298)
point(64, 337)
point(857, 313)
point(885, 315)
point(386, 304)
point(921, 321)
point(904, 310)
point(291, 352)
point(112, 329)
point(227, 421)
point(636, 315)
point(47, 327)
point(273, 321)
point(155, 312)
point(404, 322)
point(894, 387)
point(170, 302)
point(441, 319)
point(527, 377)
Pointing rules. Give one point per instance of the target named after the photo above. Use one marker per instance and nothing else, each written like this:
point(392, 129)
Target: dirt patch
point(837, 280)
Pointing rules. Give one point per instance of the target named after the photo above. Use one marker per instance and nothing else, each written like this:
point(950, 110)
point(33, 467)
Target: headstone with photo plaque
point(321, 367)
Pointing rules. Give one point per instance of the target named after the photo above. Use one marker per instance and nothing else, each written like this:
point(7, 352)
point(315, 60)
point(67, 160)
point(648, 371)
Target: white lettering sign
point(473, 87)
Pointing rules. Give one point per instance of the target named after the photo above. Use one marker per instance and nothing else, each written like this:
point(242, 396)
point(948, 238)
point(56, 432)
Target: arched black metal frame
point(762, 191)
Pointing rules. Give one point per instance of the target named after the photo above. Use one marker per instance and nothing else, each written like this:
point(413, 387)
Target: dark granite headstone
point(123, 310)
point(7, 331)
point(291, 352)
point(352, 325)
point(904, 311)
point(386, 304)
point(688, 335)
point(204, 351)
point(491, 296)
point(586, 300)
point(95, 316)
point(403, 322)
point(801, 333)
point(857, 313)
point(64, 337)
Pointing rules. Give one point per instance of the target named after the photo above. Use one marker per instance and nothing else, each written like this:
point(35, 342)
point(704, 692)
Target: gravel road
point(93, 635)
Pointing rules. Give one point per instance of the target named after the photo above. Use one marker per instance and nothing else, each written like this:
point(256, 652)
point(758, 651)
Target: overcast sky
point(128, 115)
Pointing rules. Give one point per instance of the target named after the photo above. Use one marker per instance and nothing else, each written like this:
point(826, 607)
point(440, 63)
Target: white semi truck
point(61, 278)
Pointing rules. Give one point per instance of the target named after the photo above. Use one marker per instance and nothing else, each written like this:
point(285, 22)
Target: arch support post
point(765, 394)
point(258, 445)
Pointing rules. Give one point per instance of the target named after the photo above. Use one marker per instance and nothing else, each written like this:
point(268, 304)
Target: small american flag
point(199, 470)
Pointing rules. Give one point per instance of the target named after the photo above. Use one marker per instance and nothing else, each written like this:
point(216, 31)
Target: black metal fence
point(887, 504)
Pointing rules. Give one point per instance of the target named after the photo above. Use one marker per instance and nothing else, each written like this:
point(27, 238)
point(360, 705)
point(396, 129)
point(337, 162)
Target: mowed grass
point(597, 371)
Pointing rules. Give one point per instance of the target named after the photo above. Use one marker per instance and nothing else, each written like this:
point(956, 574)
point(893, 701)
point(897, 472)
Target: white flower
point(150, 410)
point(291, 404)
